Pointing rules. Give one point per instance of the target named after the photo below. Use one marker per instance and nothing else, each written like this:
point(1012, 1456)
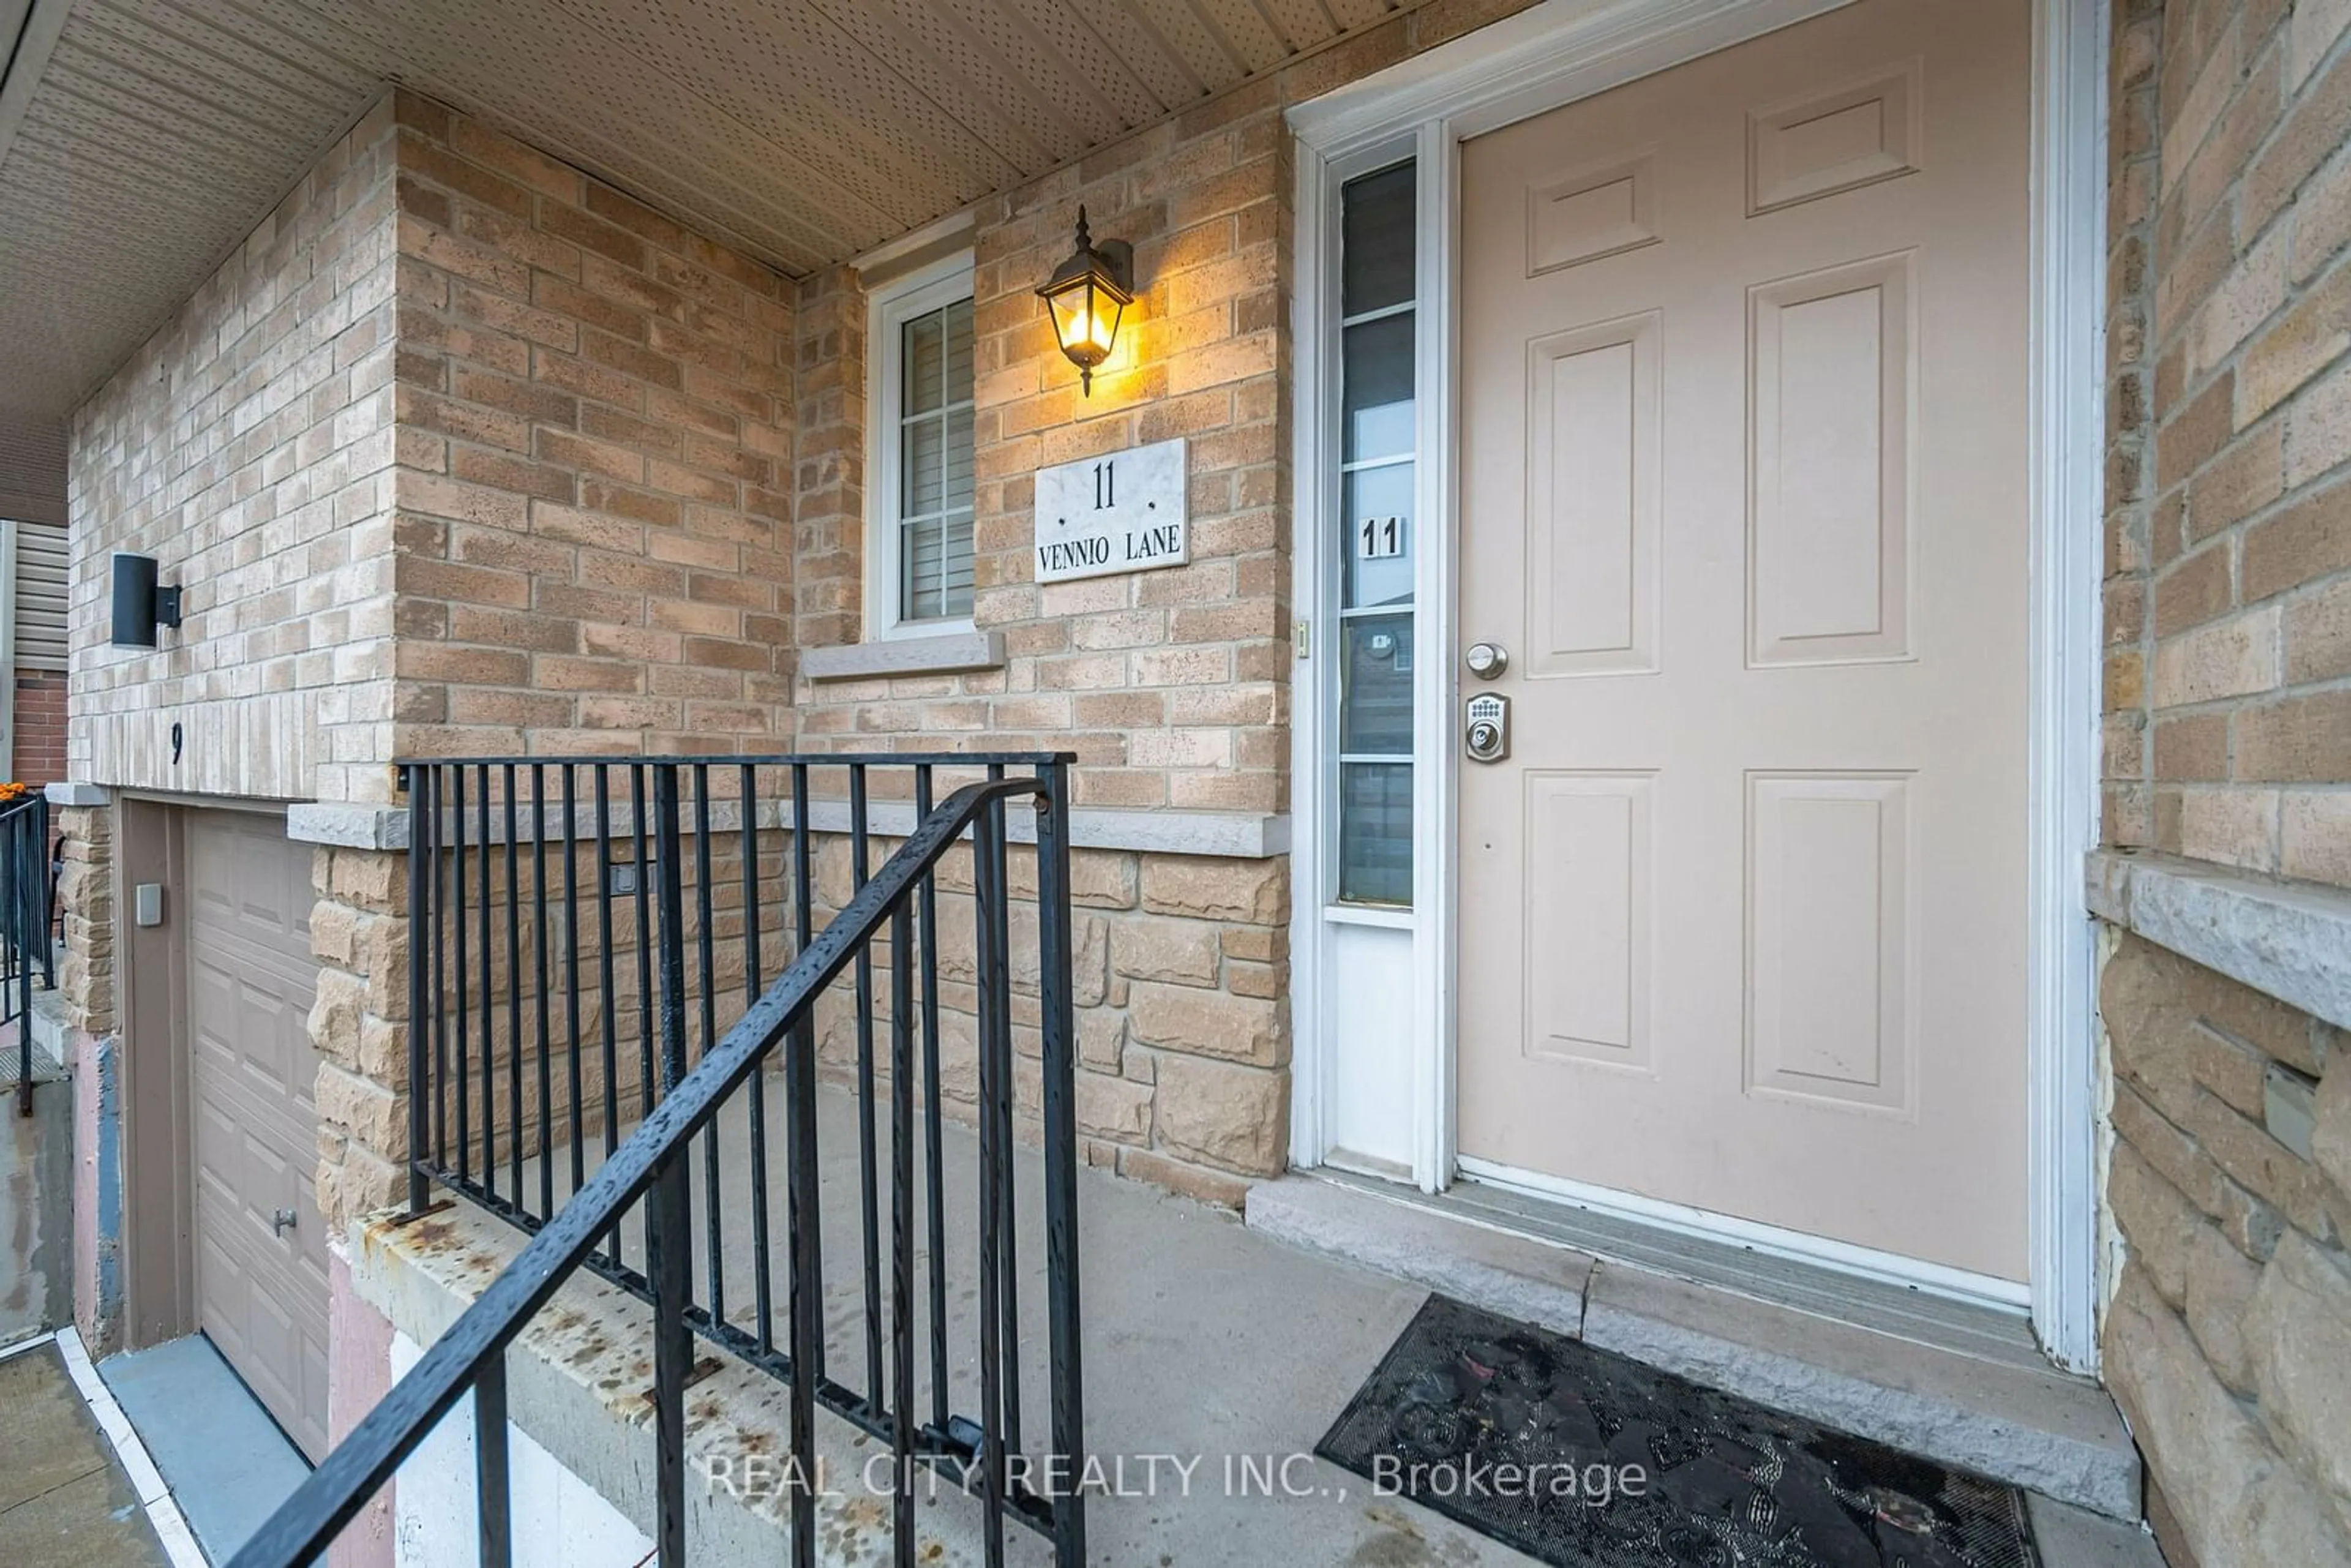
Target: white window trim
point(888, 307)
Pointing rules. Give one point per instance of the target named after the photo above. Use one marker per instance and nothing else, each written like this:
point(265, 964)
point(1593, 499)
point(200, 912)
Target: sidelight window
point(1378, 486)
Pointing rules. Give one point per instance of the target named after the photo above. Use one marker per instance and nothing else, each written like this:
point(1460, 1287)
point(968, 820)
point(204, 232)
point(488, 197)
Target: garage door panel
point(251, 978)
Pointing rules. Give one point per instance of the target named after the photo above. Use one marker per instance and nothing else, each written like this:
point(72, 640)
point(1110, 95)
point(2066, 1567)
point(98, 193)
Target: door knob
point(1487, 660)
point(282, 1221)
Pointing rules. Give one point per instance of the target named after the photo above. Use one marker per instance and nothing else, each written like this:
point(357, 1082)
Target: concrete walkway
point(65, 1501)
point(1206, 1341)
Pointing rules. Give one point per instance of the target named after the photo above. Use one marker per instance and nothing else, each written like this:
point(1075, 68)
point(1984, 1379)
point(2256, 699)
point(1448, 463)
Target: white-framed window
point(918, 451)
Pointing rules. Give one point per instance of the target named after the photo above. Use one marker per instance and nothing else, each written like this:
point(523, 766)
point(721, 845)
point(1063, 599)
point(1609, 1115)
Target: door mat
point(1533, 1438)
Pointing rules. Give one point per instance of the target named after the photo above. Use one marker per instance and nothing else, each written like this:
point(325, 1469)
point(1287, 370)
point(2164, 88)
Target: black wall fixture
point(139, 604)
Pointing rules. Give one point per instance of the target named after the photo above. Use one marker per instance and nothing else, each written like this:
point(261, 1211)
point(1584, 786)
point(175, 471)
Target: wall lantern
point(140, 605)
point(1086, 297)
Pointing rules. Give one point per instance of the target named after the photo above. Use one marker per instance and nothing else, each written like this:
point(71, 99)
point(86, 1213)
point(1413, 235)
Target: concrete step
point(2034, 1427)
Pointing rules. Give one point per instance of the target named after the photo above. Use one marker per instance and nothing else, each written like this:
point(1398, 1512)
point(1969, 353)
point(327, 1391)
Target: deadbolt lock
point(1486, 728)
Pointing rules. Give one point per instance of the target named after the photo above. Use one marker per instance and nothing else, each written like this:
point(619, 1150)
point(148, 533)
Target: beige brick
point(2305, 541)
point(2315, 836)
point(2229, 658)
point(2304, 739)
point(2231, 826)
point(2307, 337)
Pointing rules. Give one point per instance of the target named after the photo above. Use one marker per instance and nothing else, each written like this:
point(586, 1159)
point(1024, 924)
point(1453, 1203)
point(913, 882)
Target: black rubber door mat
point(1585, 1459)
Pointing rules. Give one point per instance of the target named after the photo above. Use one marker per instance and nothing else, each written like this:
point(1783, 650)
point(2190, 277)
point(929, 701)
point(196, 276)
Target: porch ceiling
point(141, 140)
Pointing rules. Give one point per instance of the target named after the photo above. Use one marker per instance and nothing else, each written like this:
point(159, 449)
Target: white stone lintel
point(2285, 939)
point(945, 654)
point(65, 794)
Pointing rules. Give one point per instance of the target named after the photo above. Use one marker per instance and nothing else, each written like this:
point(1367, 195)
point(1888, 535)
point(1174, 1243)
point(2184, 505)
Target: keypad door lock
point(1486, 728)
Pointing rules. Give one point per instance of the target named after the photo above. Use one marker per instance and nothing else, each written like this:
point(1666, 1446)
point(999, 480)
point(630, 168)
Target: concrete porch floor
point(1202, 1337)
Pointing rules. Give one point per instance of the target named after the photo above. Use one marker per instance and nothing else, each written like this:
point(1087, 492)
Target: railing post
point(672, 936)
point(493, 1493)
point(422, 1090)
point(45, 878)
point(669, 1267)
point(19, 943)
point(987, 877)
point(1059, 1027)
point(803, 1219)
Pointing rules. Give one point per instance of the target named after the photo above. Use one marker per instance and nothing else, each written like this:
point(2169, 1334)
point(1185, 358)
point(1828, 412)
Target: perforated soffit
point(141, 140)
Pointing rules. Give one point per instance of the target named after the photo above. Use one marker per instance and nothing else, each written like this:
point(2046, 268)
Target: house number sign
point(1124, 511)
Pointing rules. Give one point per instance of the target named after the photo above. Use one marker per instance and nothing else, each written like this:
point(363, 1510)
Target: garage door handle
point(282, 1221)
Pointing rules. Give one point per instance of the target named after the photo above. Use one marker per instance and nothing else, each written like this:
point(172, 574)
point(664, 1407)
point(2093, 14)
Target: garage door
point(261, 1246)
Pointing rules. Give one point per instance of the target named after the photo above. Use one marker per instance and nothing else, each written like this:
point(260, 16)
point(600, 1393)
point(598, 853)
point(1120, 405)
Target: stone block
point(2299, 1333)
point(1253, 891)
point(2330, 1138)
point(1208, 1023)
point(1101, 1038)
point(2250, 1225)
point(2159, 1225)
point(2220, 1288)
point(370, 1113)
point(2261, 1164)
point(337, 1010)
point(1191, 1181)
point(1110, 1107)
point(1225, 1115)
point(2235, 1498)
point(1184, 952)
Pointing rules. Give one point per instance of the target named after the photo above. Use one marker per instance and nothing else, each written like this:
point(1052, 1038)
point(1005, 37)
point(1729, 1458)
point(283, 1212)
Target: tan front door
point(1744, 495)
point(261, 1283)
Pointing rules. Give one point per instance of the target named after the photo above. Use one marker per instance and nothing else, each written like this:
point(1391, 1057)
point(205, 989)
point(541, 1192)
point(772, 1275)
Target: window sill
point(2285, 939)
point(940, 653)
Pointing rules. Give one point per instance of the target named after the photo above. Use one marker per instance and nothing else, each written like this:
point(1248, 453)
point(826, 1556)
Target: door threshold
point(1961, 1383)
point(1872, 1299)
point(1644, 1217)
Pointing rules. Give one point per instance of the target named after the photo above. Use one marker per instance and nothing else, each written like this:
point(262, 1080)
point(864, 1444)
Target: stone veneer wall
point(2227, 740)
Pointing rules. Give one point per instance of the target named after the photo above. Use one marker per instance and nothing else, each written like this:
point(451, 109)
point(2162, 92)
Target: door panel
point(261, 1288)
point(1744, 402)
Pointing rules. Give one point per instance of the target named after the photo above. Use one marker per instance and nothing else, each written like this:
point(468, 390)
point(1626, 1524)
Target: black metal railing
point(27, 903)
point(598, 942)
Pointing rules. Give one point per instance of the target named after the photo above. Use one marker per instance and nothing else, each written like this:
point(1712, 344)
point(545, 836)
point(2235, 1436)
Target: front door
point(1744, 499)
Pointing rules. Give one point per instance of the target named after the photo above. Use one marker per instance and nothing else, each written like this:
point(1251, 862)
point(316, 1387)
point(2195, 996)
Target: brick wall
point(2228, 600)
point(2227, 740)
point(1170, 686)
point(247, 446)
point(594, 413)
point(568, 479)
point(595, 450)
point(40, 739)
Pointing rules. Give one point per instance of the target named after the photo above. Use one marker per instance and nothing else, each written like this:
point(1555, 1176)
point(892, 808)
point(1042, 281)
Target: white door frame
point(1552, 54)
